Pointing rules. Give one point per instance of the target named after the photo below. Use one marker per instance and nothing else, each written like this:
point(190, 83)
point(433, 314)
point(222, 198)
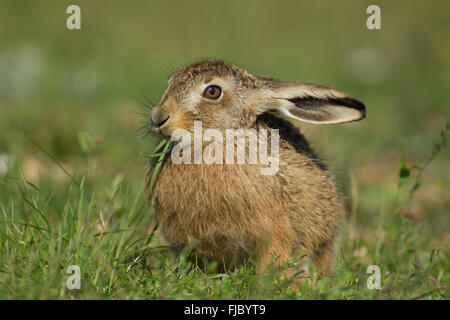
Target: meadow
point(74, 154)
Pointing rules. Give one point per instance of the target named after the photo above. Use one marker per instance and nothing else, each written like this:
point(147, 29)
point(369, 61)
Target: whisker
point(162, 69)
point(148, 106)
point(140, 113)
point(149, 100)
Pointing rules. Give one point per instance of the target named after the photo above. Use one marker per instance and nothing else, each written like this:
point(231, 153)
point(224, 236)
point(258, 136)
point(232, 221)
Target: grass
point(73, 161)
point(110, 234)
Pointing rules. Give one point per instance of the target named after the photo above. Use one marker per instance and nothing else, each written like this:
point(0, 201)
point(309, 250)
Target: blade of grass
point(159, 163)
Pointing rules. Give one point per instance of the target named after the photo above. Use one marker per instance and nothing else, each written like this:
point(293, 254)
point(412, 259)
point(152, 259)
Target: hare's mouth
point(156, 127)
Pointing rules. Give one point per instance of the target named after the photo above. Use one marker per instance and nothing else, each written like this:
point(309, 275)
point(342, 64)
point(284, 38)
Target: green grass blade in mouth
point(163, 142)
point(160, 160)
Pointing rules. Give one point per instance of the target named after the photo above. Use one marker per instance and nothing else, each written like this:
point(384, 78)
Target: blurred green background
point(74, 92)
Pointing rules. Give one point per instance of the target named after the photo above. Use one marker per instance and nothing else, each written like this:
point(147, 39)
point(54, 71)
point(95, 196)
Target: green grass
point(73, 161)
point(110, 234)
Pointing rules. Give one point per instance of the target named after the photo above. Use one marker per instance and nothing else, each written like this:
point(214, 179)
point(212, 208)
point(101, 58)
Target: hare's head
point(223, 96)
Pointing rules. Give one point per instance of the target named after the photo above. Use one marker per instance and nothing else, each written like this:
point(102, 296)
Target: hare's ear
point(312, 103)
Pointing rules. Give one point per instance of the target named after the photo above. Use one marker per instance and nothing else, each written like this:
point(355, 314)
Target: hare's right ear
point(311, 103)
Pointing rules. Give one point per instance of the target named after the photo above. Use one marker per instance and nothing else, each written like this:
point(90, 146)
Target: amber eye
point(212, 92)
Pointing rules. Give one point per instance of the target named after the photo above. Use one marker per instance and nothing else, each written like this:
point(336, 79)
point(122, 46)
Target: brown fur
point(233, 211)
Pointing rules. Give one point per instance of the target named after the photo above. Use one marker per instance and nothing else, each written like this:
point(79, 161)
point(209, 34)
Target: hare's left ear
point(311, 103)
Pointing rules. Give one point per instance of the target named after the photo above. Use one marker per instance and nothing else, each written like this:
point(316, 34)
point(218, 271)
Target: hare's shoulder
point(290, 135)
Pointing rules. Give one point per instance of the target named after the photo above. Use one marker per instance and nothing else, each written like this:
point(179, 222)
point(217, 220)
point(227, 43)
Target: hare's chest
point(213, 202)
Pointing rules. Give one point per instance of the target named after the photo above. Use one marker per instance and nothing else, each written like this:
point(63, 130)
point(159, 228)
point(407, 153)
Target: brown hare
point(232, 211)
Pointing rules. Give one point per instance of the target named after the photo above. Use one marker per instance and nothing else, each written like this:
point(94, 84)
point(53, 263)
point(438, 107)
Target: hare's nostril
point(160, 124)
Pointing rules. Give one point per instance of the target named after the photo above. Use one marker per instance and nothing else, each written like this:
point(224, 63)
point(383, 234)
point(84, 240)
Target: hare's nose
point(159, 116)
point(157, 120)
point(158, 123)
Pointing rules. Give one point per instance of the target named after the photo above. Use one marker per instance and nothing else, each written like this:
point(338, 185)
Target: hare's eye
point(212, 92)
